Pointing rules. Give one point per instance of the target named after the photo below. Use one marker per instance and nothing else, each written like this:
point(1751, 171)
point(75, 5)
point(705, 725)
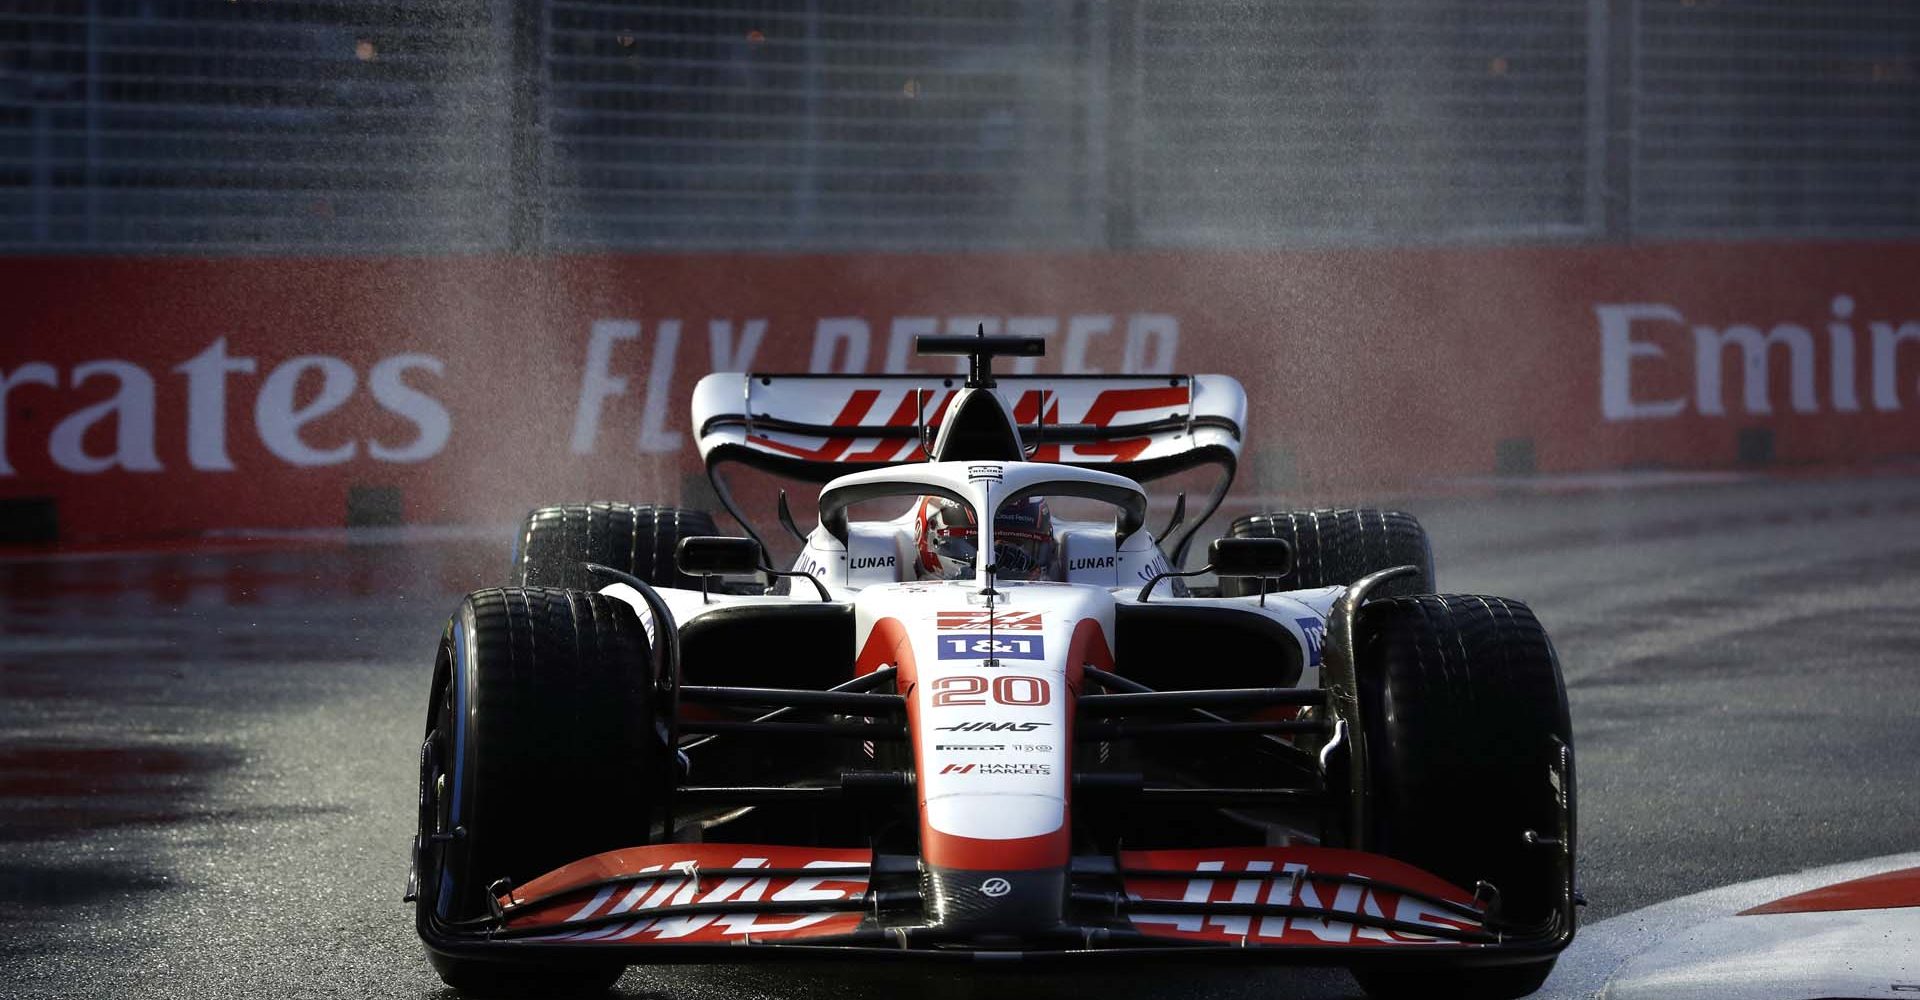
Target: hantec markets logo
point(1026, 770)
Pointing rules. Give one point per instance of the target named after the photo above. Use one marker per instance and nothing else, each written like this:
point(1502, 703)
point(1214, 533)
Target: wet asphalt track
point(207, 762)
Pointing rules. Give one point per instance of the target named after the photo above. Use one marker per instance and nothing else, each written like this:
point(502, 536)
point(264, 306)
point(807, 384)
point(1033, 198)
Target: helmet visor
point(950, 543)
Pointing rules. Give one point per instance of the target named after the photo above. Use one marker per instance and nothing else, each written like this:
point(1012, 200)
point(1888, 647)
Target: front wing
point(738, 902)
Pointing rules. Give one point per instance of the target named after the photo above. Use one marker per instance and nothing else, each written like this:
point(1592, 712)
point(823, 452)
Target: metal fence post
point(93, 151)
point(1118, 139)
point(804, 223)
point(527, 181)
point(1618, 23)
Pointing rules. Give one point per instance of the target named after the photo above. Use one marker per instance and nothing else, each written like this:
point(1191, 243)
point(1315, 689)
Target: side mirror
point(719, 555)
point(716, 555)
point(1242, 557)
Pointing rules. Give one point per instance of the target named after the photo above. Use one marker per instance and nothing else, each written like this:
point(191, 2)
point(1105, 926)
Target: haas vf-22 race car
point(985, 714)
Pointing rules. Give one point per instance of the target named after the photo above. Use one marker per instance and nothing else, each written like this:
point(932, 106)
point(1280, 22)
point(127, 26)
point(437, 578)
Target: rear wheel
point(541, 749)
point(1333, 547)
point(1468, 752)
point(556, 543)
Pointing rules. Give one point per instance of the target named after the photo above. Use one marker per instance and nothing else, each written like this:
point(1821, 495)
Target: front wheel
point(541, 749)
point(1470, 762)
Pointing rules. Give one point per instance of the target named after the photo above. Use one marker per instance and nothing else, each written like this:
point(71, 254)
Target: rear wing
point(814, 428)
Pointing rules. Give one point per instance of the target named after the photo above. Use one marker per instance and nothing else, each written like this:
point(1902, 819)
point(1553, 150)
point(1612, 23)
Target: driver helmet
point(1023, 545)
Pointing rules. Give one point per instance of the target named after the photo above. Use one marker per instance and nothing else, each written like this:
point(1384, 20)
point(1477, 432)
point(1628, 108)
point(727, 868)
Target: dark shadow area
point(51, 789)
point(855, 981)
point(31, 885)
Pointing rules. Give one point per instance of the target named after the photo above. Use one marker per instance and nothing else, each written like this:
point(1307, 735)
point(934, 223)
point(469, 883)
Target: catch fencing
point(529, 126)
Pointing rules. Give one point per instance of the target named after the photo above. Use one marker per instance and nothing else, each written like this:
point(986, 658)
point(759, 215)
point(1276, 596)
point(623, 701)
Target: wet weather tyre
point(1333, 547)
point(541, 749)
point(556, 543)
point(1469, 748)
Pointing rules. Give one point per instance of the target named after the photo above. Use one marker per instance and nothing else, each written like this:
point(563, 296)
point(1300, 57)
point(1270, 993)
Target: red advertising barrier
point(166, 397)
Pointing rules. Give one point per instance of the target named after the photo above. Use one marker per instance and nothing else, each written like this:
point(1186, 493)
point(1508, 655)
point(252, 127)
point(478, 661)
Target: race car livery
point(987, 710)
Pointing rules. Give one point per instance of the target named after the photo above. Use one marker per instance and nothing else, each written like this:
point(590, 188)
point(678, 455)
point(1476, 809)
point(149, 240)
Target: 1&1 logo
point(977, 646)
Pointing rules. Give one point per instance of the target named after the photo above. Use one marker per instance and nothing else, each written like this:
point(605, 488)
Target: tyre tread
point(1335, 546)
point(557, 542)
point(1462, 705)
point(563, 767)
point(1463, 699)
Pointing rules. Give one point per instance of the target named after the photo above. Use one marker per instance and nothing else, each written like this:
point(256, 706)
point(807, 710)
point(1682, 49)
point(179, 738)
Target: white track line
point(1600, 950)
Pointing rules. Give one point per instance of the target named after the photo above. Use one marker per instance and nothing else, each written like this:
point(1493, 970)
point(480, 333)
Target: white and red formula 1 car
point(992, 719)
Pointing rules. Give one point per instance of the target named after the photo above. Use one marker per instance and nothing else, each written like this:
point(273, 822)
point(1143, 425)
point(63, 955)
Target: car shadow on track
point(942, 982)
point(930, 982)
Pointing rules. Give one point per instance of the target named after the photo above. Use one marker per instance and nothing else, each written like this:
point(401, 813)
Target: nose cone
point(991, 706)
